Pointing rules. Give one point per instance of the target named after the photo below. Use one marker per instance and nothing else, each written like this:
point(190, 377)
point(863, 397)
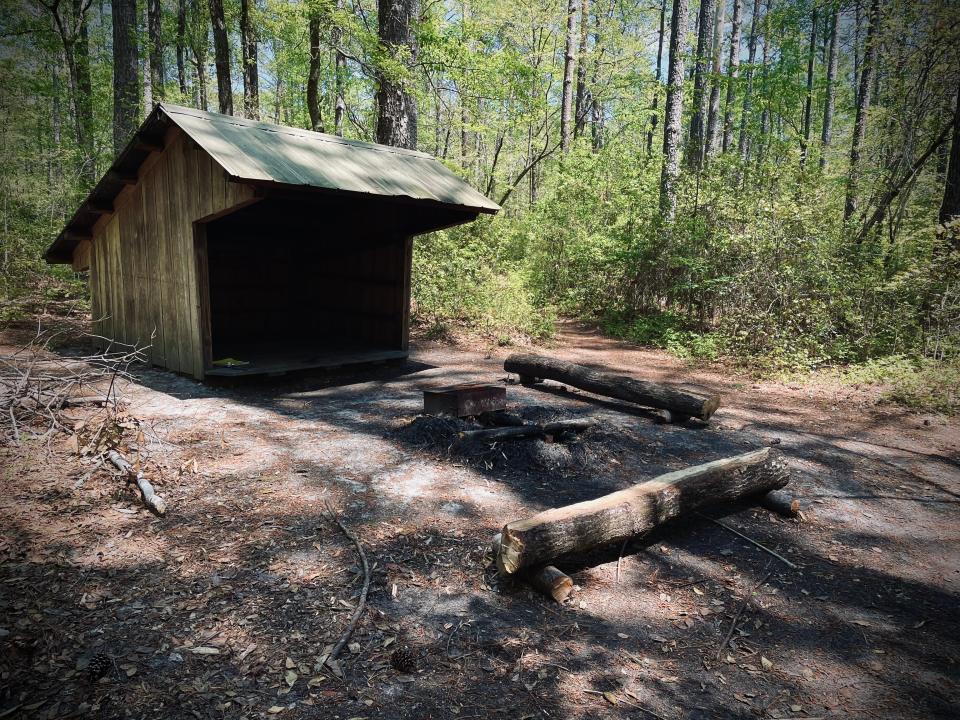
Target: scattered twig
point(620, 558)
point(332, 515)
point(736, 618)
point(750, 540)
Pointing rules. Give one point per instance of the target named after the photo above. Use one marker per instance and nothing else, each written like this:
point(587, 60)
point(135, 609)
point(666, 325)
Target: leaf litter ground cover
point(226, 606)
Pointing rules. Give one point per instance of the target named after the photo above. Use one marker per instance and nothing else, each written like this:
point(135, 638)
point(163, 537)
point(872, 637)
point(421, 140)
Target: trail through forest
point(226, 606)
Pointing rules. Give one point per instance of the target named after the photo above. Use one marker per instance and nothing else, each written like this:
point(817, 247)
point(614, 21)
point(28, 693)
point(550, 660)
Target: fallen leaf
point(623, 636)
point(610, 698)
point(767, 664)
point(276, 709)
point(796, 708)
point(697, 590)
point(291, 677)
point(289, 663)
point(864, 623)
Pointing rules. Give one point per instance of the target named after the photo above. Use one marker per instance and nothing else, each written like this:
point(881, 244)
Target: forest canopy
point(774, 181)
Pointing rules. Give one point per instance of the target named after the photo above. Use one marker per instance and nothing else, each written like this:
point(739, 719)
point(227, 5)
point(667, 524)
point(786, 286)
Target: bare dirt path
point(226, 607)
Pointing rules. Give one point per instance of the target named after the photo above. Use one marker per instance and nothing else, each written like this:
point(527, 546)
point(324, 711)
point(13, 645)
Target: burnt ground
point(225, 607)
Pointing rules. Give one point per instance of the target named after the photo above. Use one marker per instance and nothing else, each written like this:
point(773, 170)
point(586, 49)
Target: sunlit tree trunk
point(659, 77)
point(126, 93)
point(733, 73)
point(700, 97)
point(313, 74)
point(396, 108)
point(808, 101)
point(569, 68)
point(673, 112)
point(743, 142)
point(251, 74)
point(863, 107)
point(340, 74)
point(713, 116)
point(221, 57)
point(826, 133)
point(583, 101)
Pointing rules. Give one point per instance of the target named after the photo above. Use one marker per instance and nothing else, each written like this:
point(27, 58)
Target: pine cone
point(404, 660)
point(98, 667)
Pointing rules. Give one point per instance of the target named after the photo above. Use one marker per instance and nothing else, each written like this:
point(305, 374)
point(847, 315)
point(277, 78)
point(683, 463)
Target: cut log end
point(552, 582)
point(782, 503)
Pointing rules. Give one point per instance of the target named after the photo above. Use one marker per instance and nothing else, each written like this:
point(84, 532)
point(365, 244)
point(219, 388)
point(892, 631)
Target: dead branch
point(361, 604)
point(150, 498)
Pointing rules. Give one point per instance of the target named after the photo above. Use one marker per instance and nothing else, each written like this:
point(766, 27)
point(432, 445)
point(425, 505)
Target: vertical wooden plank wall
point(143, 270)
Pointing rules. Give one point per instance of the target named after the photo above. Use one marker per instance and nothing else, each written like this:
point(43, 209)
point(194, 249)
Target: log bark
point(638, 510)
point(527, 431)
point(782, 503)
point(620, 387)
point(150, 498)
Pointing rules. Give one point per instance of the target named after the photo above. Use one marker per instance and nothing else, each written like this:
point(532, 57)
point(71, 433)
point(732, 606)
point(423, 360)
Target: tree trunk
point(157, 69)
point(673, 112)
point(340, 72)
point(569, 68)
point(744, 140)
point(313, 77)
point(700, 97)
point(656, 88)
point(182, 45)
point(583, 101)
point(713, 115)
point(126, 94)
point(826, 133)
point(765, 114)
point(597, 118)
point(251, 76)
point(863, 107)
point(221, 57)
point(733, 72)
point(808, 101)
point(145, 67)
point(620, 387)
point(638, 510)
point(396, 109)
point(950, 207)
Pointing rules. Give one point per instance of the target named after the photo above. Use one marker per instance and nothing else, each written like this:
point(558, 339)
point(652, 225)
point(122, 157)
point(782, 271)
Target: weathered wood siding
point(143, 274)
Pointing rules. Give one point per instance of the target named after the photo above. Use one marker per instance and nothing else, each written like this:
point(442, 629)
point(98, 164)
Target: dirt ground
point(225, 607)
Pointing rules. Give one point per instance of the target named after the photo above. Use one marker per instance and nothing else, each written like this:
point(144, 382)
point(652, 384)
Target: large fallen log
point(679, 403)
point(638, 510)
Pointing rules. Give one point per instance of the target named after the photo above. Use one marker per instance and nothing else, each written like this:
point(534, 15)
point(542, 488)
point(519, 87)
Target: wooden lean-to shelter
point(234, 247)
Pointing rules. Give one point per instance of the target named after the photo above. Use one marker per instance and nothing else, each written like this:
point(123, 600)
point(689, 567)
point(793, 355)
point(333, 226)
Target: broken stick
point(526, 431)
point(150, 498)
point(362, 602)
point(637, 510)
point(680, 403)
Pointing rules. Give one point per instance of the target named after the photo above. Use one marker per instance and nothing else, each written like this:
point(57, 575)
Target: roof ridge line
point(171, 109)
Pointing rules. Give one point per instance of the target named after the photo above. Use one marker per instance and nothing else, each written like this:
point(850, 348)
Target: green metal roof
point(257, 151)
point(261, 153)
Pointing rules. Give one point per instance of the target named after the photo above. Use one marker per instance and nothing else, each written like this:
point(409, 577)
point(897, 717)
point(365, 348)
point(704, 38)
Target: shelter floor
point(264, 359)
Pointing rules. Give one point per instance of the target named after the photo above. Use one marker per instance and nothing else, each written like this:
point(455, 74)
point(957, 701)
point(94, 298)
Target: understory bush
point(766, 275)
